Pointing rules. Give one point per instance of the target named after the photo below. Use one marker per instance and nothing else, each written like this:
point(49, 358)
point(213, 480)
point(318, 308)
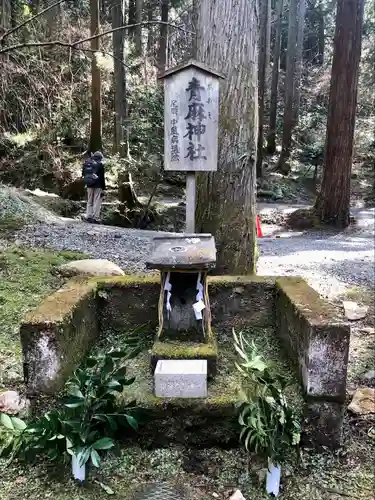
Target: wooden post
point(190, 202)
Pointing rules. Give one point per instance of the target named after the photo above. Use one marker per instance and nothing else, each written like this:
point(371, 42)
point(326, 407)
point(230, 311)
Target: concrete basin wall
point(58, 334)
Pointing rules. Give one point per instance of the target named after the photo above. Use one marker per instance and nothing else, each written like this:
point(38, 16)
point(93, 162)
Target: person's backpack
point(90, 173)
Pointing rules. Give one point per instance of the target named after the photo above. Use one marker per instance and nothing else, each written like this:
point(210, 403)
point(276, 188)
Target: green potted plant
point(270, 426)
point(86, 423)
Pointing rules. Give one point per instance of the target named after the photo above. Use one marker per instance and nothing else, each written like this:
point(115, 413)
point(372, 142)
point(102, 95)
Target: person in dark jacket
point(94, 178)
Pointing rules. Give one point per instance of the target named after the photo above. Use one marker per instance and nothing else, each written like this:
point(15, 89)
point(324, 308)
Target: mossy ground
point(9, 224)
point(221, 391)
point(318, 477)
point(25, 278)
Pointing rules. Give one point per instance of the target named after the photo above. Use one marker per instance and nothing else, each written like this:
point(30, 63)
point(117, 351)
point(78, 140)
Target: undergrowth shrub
point(86, 423)
point(270, 425)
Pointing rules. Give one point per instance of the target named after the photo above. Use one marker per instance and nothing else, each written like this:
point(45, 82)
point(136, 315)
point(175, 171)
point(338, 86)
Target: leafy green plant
point(11, 435)
point(269, 424)
point(88, 420)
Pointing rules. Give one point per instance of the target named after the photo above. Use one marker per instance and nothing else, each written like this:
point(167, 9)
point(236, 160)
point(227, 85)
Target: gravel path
point(128, 248)
point(330, 261)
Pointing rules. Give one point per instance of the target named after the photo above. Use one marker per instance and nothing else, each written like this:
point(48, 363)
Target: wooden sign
point(191, 115)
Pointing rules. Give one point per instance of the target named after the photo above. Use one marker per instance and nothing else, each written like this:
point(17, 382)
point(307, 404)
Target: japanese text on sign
point(175, 150)
point(195, 119)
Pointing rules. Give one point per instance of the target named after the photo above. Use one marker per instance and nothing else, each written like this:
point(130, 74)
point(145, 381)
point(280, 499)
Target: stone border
point(318, 340)
point(56, 336)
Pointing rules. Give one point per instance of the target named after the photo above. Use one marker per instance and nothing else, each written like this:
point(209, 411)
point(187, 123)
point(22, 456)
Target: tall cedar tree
point(333, 202)
point(271, 138)
point(120, 137)
point(96, 96)
point(264, 47)
point(227, 41)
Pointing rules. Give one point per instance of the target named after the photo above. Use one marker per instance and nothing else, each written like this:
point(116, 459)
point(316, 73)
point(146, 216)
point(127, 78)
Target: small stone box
point(184, 261)
point(183, 252)
point(181, 378)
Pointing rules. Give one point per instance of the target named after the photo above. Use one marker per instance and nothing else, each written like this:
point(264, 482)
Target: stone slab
point(315, 337)
point(235, 301)
point(181, 378)
point(187, 350)
point(241, 301)
point(183, 251)
point(56, 336)
point(323, 424)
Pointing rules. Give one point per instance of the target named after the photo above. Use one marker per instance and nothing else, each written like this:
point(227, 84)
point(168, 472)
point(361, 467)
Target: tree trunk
point(138, 29)
point(264, 37)
point(150, 32)
point(321, 36)
point(271, 139)
point(268, 43)
point(227, 40)
point(194, 18)
point(162, 52)
point(120, 137)
point(53, 18)
point(132, 16)
point(126, 192)
point(96, 98)
point(14, 13)
point(289, 85)
point(333, 201)
point(5, 15)
point(299, 59)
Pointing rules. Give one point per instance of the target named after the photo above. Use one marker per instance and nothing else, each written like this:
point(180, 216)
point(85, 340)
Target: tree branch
point(35, 44)
point(19, 26)
point(129, 26)
point(88, 39)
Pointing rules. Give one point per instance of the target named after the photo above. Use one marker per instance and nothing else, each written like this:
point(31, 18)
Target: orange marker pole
point(259, 229)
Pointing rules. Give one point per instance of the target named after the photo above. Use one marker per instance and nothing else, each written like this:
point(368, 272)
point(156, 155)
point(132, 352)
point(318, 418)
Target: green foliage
point(146, 134)
point(86, 423)
point(11, 435)
point(269, 424)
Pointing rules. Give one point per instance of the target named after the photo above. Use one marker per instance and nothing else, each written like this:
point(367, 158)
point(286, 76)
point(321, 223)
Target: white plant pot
point(78, 471)
point(273, 479)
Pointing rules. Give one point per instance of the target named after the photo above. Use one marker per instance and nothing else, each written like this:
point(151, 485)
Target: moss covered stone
point(306, 300)
point(187, 350)
point(59, 332)
point(199, 422)
point(128, 301)
point(57, 307)
point(235, 301)
point(56, 336)
point(241, 301)
point(317, 339)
